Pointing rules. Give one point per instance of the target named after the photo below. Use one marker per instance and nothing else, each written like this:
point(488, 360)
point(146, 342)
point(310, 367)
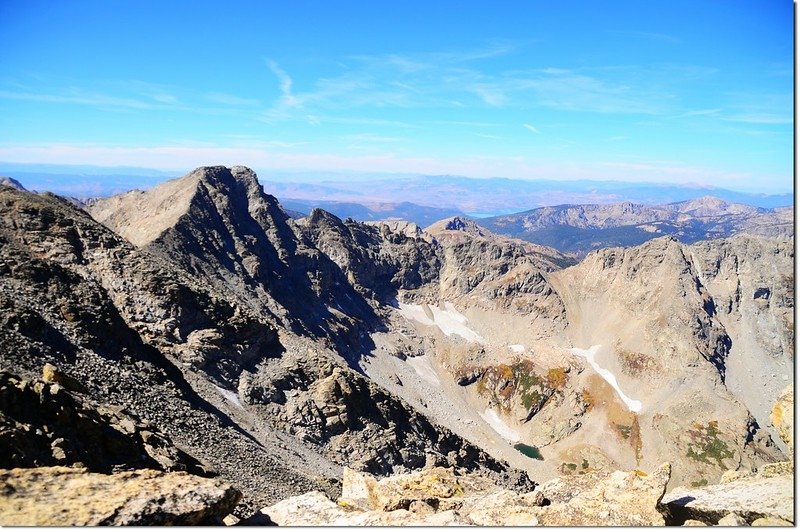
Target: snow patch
point(491, 417)
point(448, 320)
point(517, 348)
point(423, 367)
point(632, 404)
point(230, 396)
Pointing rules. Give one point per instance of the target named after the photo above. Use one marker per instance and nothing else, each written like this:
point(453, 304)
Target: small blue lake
point(529, 451)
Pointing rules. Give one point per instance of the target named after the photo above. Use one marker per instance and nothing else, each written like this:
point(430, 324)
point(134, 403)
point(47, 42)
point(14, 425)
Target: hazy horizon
point(466, 195)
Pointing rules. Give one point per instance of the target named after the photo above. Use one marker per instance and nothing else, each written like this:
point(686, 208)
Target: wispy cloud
point(759, 109)
point(447, 79)
point(579, 92)
point(375, 138)
point(151, 101)
point(285, 82)
point(699, 112)
point(531, 128)
point(464, 123)
point(761, 118)
point(79, 98)
point(491, 95)
point(228, 99)
point(648, 35)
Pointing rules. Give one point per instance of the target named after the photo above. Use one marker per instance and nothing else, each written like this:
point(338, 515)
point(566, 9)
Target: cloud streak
point(287, 98)
point(446, 80)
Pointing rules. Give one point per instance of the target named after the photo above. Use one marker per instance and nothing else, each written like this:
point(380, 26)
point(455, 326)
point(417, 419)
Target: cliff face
point(378, 259)
point(673, 336)
point(485, 270)
point(134, 331)
point(219, 225)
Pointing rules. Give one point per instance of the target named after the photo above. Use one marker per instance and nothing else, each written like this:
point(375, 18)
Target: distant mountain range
point(421, 215)
point(500, 196)
point(578, 229)
point(455, 194)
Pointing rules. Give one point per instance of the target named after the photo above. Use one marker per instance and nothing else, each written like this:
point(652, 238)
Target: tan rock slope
point(141, 217)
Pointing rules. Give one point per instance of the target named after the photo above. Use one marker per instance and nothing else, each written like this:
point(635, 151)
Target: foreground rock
point(442, 496)
point(61, 496)
point(767, 494)
point(619, 499)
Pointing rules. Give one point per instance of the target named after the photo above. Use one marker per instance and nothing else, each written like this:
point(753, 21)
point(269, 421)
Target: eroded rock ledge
point(442, 496)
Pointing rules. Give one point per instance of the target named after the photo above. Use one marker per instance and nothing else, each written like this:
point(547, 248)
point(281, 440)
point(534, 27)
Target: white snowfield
point(491, 417)
point(632, 404)
point(449, 320)
point(423, 367)
point(230, 396)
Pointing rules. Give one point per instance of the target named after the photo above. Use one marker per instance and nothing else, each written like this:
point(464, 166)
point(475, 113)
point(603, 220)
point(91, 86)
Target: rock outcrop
point(62, 496)
point(44, 424)
point(498, 273)
point(656, 316)
point(442, 496)
point(751, 498)
point(378, 259)
point(218, 224)
point(11, 183)
point(763, 498)
point(782, 417)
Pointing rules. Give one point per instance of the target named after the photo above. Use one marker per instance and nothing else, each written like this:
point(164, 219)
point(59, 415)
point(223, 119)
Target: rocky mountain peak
point(11, 183)
point(457, 224)
point(318, 216)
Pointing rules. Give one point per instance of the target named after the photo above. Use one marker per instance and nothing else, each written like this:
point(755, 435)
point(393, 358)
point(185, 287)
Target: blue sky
point(670, 91)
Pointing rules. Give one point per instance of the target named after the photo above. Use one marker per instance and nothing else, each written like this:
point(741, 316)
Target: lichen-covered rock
point(315, 509)
point(618, 499)
point(440, 487)
point(770, 521)
point(504, 508)
point(61, 496)
point(442, 496)
point(782, 416)
point(750, 497)
point(732, 519)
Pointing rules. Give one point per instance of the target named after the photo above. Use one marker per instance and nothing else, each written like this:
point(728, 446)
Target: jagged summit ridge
point(12, 183)
point(142, 216)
